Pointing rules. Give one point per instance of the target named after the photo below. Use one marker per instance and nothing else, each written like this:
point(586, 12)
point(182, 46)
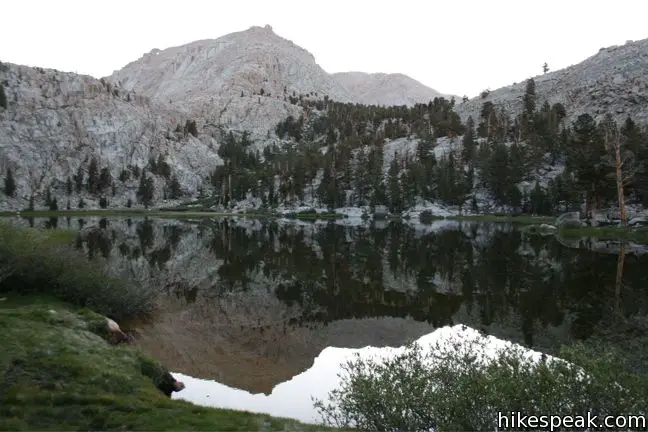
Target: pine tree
point(48, 197)
point(537, 201)
point(468, 143)
point(146, 190)
point(586, 150)
point(53, 204)
point(528, 113)
point(9, 183)
point(328, 191)
point(69, 186)
point(105, 180)
point(175, 191)
point(93, 176)
point(78, 179)
point(410, 184)
point(497, 173)
point(529, 98)
point(474, 208)
point(395, 193)
point(3, 97)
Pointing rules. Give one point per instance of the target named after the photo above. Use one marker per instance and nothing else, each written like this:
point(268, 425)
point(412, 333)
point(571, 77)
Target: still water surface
point(265, 311)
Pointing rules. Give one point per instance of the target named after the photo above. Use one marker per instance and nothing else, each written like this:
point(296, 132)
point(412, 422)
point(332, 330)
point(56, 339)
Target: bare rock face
point(246, 80)
point(612, 81)
point(385, 89)
point(243, 80)
point(55, 123)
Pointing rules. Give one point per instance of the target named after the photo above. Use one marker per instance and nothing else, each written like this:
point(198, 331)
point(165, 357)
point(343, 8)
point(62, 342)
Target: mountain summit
point(385, 89)
point(246, 79)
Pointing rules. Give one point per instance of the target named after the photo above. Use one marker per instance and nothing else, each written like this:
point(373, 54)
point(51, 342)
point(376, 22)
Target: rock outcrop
point(612, 81)
point(56, 122)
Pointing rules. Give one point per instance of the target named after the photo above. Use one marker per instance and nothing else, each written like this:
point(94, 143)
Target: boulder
point(115, 333)
point(569, 220)
point(639, 220)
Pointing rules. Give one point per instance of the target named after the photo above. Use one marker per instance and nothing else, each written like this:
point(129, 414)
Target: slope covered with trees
point(533, 162)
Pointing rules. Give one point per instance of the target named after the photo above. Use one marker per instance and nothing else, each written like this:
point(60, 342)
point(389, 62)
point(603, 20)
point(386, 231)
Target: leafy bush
point(456, 386)
point(34, 262)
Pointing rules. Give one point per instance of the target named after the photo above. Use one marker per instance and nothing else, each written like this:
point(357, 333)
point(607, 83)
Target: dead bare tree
point(620, 158)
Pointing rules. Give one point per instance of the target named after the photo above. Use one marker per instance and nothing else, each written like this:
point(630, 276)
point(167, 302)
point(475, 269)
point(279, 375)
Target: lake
point(258, 314)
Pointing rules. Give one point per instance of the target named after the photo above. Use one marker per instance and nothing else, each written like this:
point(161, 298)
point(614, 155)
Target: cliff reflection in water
point(251, 304)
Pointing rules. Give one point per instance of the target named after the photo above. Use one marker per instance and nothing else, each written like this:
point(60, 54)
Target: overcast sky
point(455, 46)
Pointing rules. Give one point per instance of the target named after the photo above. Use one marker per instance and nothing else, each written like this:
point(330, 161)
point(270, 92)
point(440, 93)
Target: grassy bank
point(57, 370)
point(60, 375)
point(639, 235)
point(519, 219)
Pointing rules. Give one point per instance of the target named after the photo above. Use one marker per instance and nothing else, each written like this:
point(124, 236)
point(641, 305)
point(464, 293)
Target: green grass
point(58, 374)
point(635, 235)
point(520, 219)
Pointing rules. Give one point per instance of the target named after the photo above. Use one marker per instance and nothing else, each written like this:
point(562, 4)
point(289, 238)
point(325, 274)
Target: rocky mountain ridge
point(611, 81)
point(247, 79)
point(242, 80)
point(55, 123)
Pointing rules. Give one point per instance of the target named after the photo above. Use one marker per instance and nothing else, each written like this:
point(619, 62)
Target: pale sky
point(454, 46)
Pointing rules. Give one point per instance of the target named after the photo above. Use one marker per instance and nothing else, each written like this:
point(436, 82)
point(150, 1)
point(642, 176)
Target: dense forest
point(337, 150)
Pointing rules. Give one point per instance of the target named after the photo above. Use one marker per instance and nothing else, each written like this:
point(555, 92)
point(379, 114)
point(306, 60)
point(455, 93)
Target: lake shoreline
point(614, 232)
point(252, 215)
point(113, 382)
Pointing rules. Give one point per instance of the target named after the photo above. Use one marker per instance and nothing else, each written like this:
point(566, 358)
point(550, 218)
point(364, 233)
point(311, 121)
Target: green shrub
point(307, 212)
point(34, 262)
point(456, 387)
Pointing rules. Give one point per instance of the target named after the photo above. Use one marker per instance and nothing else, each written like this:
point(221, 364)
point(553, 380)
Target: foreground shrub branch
point(462, 385)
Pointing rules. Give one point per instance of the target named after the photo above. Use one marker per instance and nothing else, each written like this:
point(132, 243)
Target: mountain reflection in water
point(294, 398)
point(251, 304)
